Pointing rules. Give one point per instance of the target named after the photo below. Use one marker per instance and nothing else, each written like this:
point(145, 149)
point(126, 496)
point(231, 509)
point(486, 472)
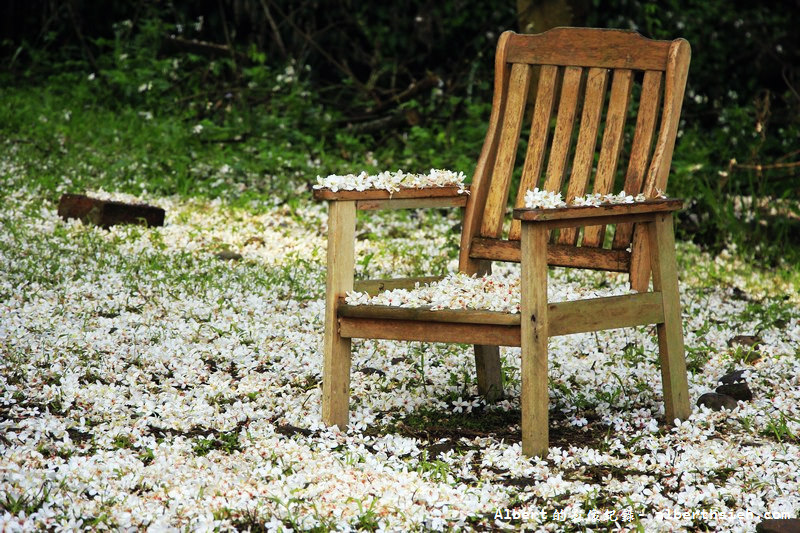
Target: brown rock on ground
point(717, 402)
point(107, 213)
point(788, 525)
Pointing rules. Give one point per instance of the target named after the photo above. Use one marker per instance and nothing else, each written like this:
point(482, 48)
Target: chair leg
point(489, 371)
point(535, 399)
point(487, 359)
point(336, 357)
point(670, 333)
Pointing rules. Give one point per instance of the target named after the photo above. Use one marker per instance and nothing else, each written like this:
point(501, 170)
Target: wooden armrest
point(380, 194)
point(403, 199)
point(569, 216)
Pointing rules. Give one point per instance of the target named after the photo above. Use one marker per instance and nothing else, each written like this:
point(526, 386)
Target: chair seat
point(498, 293)
point(475, 310)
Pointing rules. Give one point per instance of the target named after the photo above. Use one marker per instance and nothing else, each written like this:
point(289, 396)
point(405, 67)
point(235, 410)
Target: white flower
point(537, 199)
point(393, 181)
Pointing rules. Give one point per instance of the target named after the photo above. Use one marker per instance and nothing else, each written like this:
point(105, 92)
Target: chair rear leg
point(670, 333)
point(489, 371)
point(337, 354)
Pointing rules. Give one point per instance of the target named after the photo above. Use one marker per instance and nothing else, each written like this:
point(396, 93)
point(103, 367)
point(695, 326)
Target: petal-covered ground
point(148, 381)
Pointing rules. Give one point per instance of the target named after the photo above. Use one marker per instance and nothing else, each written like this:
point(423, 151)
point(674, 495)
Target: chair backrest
point(582, 73)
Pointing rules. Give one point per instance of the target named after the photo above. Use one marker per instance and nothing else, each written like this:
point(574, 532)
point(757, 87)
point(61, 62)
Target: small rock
point(751, 341)
point(435, 450)
point(290, 430)
point(717, 402)
point(787, 525)
point(739, 294)
point(227, 255)
point(734, 385)
point(396, 360)
point(107, 213)
point(737, 376)
point(254, 240)
point(737, 391)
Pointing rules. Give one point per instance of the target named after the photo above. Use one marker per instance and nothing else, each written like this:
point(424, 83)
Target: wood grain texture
point(670, 332)
point(596, 81)
point(565, 318)
point(339, 280)
point(611, 312)
point(488, 368)
point(589, 47)
point(534, 333)
point(376, 194)
point(640, 259)
point(611, 145)
point(557, 255)
point(600, 211)
point(488, 372)
point(425, 314)
point(494, 211)
point(537, 140)
point(412, 203)
point(377, 286)
point(640, 148)
point(674, 85)
point(410, 330)
point(562, 136)
point(481, 178)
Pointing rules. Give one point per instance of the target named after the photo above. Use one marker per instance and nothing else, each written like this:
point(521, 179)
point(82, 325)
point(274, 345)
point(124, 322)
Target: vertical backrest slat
point(677, 69)
point(596, 81)
point(641, 146)
point(568, 103)
point(518, 85)
point(612, 142)
point(537, 140)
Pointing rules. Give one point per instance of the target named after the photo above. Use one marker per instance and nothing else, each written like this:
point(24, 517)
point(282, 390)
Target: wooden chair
point(573, 66)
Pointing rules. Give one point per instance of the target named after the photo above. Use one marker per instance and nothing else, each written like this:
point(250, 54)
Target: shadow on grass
point(445, 431)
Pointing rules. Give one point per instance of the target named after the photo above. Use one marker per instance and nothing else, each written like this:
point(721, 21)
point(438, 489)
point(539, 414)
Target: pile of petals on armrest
point(537, 199)
point(393, 181)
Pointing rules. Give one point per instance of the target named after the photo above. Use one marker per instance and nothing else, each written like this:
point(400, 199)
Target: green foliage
point(225, 442)
point(126, 105)
point(27, 503)
point(741, 116)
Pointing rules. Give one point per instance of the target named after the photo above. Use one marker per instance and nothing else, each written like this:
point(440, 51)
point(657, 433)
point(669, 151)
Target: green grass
point(227, 442)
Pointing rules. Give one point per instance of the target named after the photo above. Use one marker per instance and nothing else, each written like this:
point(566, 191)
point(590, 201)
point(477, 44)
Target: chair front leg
point(535, 399)
point(336, 357)
point(670, 333)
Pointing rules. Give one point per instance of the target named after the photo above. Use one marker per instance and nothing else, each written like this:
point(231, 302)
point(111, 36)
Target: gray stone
point(717, 402)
